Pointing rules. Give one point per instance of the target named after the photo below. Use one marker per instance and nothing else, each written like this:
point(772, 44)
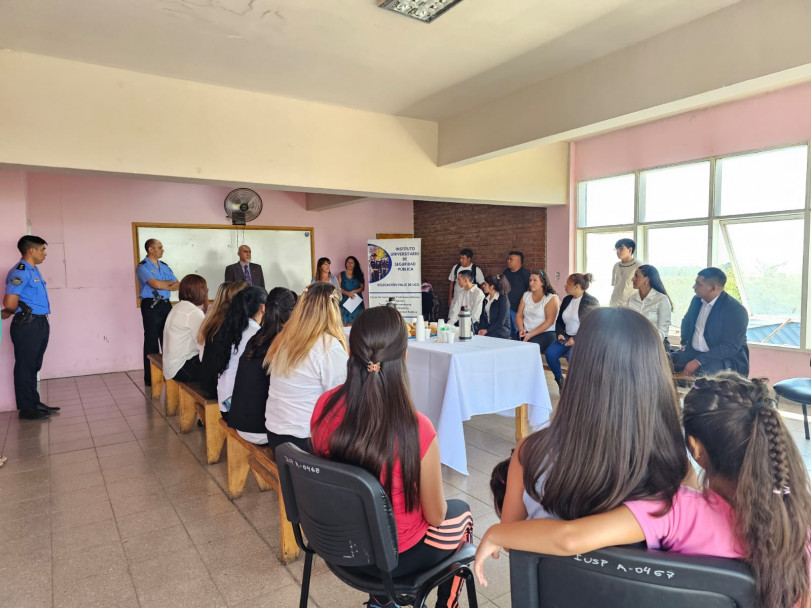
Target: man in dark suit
point(713, 332)
point(245, 270)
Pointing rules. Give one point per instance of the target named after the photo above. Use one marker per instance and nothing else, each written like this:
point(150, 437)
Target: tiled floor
point(107, 505)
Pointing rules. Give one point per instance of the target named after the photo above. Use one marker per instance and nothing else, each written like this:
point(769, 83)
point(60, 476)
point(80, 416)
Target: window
point(747, 214)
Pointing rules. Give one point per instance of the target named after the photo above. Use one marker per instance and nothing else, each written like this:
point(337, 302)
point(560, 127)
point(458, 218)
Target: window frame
point(716, 224)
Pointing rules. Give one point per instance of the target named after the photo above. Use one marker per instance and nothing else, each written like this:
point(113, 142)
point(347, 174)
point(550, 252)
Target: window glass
point(769, 258)
point(678, 253)
point(607, 202)
point(675, 193)
point(762, 182)
point(600, 259)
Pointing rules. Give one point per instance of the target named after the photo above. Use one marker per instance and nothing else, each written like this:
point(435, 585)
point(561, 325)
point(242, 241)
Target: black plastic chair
point(799, 390)
point(625, 576)
point(348, 521)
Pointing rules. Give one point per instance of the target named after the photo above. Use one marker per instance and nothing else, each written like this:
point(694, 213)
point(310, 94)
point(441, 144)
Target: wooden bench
point(158, 380)
point(244, 456)
point(193, 401)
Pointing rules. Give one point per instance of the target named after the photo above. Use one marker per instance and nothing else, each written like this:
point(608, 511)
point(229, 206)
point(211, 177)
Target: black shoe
point(47, 408)
point(35, 414)
point(559, 382)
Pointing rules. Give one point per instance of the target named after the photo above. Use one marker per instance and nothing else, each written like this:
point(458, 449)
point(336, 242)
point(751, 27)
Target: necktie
point(247, 274)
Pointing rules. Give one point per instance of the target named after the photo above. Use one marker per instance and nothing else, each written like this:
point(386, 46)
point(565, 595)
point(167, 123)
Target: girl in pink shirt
point(757, 506)
point(371, 422)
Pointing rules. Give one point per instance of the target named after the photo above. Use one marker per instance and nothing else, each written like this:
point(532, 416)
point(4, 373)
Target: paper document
point(352, 303)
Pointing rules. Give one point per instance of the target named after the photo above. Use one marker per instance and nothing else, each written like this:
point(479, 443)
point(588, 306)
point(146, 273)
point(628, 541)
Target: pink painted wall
point(87, 221)
point(13, 194)
point(773, 119)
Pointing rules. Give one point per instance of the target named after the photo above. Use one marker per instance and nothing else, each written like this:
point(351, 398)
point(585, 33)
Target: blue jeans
point(553, 354)
point(514, 327)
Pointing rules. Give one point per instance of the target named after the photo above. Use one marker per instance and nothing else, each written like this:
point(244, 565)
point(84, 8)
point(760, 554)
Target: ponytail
point(583, 280)
point(747, 443)
point(379, 425)
point(499, 282)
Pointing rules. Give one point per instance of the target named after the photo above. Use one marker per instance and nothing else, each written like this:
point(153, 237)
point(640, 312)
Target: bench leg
point(215, 436)
point(172, 397)
point(264, 486)
point(157, 380)
point(187, 412)
point(290, 549)
point(521, 422)
point(238, 467)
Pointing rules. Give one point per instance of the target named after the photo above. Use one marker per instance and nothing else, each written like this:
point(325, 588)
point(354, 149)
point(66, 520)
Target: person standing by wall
point(27, 299)
point(465, 263)
point(245, 270)
point(155, 281)
point(518, 277)
point(623, 273)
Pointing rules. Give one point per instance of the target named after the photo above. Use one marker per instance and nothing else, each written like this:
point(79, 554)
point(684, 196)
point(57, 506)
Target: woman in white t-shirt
point(181, 353)
point(306, 359)
point(242, 320)
point(537, 311)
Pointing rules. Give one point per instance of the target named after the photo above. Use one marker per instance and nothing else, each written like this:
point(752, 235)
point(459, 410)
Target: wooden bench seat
point(193, 401)
point(244, 456)
point(158, 380)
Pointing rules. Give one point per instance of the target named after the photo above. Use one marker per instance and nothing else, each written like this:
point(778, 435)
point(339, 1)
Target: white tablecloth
point(452, 382)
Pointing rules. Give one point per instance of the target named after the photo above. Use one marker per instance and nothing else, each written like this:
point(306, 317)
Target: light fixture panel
point(421, 10)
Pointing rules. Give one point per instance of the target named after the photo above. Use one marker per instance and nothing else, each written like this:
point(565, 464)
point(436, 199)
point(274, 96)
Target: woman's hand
point(521, 334)
point(482, 332)
point(569, 342)
point(560, 337)
point(486, 549)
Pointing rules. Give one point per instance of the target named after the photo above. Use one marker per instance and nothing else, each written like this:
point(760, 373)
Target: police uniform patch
point(142, 262)
point(16, 281)
point(20, 266)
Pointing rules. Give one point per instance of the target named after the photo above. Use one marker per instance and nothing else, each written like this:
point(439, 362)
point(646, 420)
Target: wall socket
point(557, 276)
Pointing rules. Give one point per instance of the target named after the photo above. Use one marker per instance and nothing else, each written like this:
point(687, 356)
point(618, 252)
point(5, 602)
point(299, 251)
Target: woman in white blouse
point(242, 320)
point(537, 311)
point(651, 299)
point(181, 353)
point(306, 359)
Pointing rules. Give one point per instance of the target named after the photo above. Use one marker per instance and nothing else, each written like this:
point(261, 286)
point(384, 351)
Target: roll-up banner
point(395, 271)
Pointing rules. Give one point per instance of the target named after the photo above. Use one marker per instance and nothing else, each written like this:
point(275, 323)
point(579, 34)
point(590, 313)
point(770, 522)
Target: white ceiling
point(350, 52)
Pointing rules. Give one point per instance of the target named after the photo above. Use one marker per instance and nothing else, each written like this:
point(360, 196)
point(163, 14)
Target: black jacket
point(724, 332)
point(588, 303)
point(250, 395)
point(497, 323)
point(213, 361)
point(234, 273)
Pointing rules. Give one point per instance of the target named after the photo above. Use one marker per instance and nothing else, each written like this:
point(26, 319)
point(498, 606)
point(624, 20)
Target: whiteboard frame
point(136, 246)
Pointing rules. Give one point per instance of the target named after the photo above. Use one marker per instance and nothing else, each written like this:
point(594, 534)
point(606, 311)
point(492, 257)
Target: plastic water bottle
point(465, 328)
point(419, 329)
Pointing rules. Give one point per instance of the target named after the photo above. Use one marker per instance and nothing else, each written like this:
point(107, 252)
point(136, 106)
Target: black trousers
point(190, 372)
point(30, 341)
point(680, 358)
point(154, 320)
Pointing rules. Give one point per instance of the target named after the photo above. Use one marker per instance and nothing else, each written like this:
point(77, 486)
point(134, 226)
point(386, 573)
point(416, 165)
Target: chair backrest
point(624, 576)
point(342, 509)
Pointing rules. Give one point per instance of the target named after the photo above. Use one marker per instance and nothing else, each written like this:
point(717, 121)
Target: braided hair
point(747, 444)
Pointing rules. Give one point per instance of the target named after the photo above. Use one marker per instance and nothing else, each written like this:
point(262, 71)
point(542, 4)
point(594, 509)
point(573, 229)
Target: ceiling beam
point(322, 202)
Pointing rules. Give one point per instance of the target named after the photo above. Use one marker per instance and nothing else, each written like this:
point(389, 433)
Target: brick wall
point(491, 231)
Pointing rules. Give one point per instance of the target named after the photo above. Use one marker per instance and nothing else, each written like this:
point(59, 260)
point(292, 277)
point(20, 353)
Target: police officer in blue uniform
point(155, 281)
point(27, 299)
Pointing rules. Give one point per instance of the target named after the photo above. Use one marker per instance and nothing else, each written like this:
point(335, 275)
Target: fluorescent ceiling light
point(422, 10)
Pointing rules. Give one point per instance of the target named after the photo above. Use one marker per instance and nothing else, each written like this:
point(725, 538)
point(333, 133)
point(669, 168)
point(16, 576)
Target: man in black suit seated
point(245, 270)
point(713, 332)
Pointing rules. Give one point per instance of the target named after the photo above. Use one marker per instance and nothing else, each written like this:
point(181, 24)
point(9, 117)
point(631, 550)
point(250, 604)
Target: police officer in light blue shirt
point(27, 299)
point(155, 281)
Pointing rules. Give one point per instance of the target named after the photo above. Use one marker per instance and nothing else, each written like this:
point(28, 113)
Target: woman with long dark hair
point(756, 506)
point(495, 317)
point(352, 284)
point(241, 323)
point(615, 435)
point(181, 353)
point(212, 358)
point(247, 414)
point(537, 311)
point(370, 421)
point(323, 273)
point(650, 298)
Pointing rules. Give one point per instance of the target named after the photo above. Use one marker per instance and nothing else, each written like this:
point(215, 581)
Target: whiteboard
point(285, 254)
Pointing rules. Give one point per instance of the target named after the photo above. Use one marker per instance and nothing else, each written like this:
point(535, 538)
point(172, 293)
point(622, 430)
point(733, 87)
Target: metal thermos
point(465, 328)
point(391, 303)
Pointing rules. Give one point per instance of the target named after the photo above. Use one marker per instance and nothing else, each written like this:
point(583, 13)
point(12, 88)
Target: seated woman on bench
point(307, 358)
point(247, 414)
point(371, 422)
point(209, 330)
point(181, 353)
